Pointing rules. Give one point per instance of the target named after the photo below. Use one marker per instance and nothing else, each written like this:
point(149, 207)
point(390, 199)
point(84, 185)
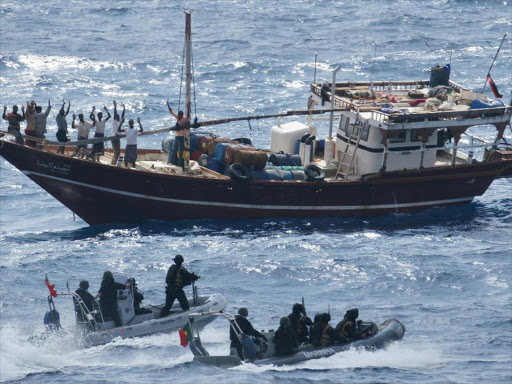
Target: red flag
point(50, 287)
point(185, 335)
point(494, 88)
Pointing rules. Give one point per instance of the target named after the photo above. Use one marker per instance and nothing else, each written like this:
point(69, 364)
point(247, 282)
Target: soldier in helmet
point(300, 322)
point(246, 327)
point(177, 278)
point(285, 339)
point(322, 334)
point(84, 294)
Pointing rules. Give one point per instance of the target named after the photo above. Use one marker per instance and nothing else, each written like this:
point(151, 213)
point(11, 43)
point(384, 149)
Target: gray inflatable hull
point(152, 323)
point(390, 331)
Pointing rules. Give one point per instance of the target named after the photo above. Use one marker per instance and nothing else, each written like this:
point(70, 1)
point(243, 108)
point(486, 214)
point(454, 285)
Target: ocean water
point(445, 273)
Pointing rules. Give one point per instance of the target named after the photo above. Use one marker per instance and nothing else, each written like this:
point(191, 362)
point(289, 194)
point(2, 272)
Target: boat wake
point(20, 357)
point(396, 356)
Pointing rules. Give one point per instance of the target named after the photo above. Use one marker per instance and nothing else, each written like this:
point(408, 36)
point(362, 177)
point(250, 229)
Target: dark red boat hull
point(102, 194)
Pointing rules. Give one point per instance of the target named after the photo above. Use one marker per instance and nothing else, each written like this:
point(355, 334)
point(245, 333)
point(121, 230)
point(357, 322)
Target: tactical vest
point(177, 282)
point(301, 327)
point(325, 339)
point(341, 329)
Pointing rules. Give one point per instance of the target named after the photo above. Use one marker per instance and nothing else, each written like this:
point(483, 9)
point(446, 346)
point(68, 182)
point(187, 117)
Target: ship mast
point(188, 82)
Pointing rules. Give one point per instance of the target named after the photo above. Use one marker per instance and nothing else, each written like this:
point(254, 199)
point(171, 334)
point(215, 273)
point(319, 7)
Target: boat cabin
point(390, 126)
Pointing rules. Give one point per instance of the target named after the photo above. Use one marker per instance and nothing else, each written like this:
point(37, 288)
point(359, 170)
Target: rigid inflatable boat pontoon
point(97, 330)
point(389, 331)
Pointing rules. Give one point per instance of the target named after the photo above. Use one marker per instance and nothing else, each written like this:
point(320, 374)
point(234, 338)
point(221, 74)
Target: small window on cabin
point(400, 138)
point(416, 135)
point(366, 132)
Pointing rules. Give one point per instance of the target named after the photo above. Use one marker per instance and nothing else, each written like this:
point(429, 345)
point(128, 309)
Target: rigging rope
point(193, 81)
point(182, 67)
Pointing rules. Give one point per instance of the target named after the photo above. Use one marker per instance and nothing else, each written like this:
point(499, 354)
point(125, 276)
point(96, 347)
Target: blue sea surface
point(445, 273)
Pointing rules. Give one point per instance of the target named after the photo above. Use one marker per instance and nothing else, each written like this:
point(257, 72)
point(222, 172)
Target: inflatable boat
point(389, 331)
point(95, 329)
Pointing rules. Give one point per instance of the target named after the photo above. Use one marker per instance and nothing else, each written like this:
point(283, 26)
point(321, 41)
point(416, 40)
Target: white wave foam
point(396, 356)
point(19, 358)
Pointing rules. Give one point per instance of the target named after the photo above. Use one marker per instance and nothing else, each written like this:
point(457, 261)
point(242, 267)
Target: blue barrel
point(298, 175)
point(285, 175)
point(439, 76)
point(259, 175)
point(166, 142)
point(194, 141)
point(215, 165)
point(273, 174)
point(281, 159)
point(220, 149)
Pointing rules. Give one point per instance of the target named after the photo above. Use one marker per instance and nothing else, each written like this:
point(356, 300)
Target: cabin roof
point(403, 104)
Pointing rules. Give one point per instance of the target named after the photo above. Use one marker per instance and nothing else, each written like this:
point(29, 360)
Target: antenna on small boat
point(314, 76)
point(492, 64)
point(429, 49)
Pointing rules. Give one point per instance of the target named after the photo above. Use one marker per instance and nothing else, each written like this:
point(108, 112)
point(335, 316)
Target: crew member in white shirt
point(130, 152)
point(83, 128)
point(99, 128)
point(117, 123)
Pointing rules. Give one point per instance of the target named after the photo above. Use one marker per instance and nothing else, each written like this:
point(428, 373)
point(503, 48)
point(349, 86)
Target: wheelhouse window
point(402, 135)
point(366, 132)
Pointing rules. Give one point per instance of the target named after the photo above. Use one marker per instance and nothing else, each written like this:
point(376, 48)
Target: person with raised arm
point(41, 120)
point(181, 129)
point(14, 119)
point(30, 118)
point(83, 128)
point(62, 126)
point(130, 152)
point(117, 123)
point(99, 128)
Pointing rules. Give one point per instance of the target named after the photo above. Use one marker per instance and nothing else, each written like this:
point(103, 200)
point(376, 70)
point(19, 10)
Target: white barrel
point(329, 150)
point(307, 154)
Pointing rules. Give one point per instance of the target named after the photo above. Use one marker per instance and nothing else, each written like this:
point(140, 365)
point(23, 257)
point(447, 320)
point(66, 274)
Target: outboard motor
point(52, 317)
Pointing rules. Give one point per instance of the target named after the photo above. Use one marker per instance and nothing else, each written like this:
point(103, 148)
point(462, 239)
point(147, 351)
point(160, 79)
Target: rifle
point(304, 306)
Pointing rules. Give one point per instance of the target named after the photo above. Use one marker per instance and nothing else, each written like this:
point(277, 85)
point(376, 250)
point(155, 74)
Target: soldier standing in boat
point(181, 129)
point(177, 278)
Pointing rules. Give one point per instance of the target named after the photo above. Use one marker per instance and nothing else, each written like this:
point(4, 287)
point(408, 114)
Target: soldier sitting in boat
point(300, 322)
point(246, 328)
point(348, 327)
point(137, 299)
point(84, 294)
point(108, 297)
point(322, 334)
point(285, 339)
point(177, 278)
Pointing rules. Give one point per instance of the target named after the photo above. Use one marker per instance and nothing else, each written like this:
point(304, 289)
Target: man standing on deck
point(130, 152)
point(99, 128)
point(177, 278)
point(14, 119)
point(83, 128)
point(41, 120)
point(181, 129)
point(117, 122)
point(62, 126)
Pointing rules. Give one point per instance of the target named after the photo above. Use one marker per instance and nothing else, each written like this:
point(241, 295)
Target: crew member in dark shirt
point(84, 294)
point(108, 297)
point(284, 339)
point(177, 278)
point(14, 119)
point(246, 328)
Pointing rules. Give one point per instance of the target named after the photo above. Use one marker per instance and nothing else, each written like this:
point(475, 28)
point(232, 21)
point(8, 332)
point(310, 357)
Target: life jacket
point(178, 280)
point(325, 339)
point(302, 328)
point(341, 328)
